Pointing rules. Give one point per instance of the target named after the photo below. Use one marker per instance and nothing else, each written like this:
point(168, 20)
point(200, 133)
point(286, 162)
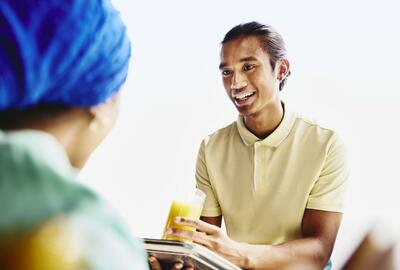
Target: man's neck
point(265, 122)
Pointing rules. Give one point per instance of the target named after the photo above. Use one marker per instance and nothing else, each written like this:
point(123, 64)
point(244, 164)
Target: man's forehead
point(242, 47)
point(243, 42)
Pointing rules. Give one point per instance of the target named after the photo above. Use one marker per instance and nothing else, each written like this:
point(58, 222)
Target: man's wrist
point(246, 260)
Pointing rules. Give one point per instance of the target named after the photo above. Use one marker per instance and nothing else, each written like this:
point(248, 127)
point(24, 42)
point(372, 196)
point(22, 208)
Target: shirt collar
point(43, 146)
point(275, 138)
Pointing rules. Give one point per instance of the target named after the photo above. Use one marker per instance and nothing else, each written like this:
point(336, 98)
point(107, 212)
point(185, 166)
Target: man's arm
point(312, 251)
point(212, 220)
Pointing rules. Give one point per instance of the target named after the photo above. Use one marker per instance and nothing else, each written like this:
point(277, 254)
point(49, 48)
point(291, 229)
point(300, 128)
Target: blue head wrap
point(69, 52)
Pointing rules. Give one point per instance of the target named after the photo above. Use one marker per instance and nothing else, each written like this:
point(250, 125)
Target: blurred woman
point(62, 65)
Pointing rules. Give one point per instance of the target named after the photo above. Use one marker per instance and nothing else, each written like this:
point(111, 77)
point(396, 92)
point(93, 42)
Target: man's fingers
point(198, 224)
point(189, 266)
point(197, 237)
point(177, 266)
point(154, 263)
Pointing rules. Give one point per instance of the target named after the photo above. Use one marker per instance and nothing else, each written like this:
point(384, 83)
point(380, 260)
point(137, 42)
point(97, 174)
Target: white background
point(344, 57)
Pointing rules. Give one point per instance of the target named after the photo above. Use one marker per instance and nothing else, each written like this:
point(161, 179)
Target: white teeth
point(243, 96)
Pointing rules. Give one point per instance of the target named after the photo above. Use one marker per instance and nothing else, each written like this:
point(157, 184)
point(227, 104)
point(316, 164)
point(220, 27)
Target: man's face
point(248, 77)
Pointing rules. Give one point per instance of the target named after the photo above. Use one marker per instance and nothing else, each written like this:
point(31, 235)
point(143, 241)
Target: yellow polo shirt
point(262, 187)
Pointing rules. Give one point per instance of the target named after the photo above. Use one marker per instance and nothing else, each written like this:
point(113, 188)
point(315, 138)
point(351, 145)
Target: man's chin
point(245, 113)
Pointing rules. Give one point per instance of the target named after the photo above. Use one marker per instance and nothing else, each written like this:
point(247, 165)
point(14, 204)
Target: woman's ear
point(93, 121)
point(105, 114)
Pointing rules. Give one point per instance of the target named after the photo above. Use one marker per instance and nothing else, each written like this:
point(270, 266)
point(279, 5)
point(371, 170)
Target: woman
point(62, 65)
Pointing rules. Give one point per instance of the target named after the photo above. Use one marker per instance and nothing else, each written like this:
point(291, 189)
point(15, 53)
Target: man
point(276, 178)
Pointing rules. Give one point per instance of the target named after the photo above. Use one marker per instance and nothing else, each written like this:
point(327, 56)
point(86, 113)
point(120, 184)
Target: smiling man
point(276, 178)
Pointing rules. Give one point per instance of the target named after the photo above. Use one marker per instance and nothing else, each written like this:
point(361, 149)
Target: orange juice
point(181, 209)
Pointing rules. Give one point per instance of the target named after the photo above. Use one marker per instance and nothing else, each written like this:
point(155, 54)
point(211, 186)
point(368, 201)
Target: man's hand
point(179, 265)
point(319, 229)
point(212, 237)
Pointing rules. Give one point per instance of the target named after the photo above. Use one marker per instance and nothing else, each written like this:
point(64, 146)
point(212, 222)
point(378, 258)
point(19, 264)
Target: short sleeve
point(328, 191)
point(211, 205)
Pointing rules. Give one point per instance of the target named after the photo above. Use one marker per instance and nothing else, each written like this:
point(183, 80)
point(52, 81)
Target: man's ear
point(283, 69)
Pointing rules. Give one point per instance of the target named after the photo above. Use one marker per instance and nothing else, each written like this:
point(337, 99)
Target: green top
point(37, 185)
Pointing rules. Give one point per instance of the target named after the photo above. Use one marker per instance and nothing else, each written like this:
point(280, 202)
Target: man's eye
point(226, 73)
point(248, 67)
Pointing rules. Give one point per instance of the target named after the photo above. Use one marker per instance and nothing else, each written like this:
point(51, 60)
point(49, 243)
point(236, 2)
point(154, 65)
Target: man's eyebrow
point(248, 58)
point(244, 59)
point(222, 65)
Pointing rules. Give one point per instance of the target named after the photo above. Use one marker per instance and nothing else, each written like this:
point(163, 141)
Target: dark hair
point(272, 41)
point(17, 119)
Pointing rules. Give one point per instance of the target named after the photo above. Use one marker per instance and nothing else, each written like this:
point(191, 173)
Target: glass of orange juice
point(191, 208)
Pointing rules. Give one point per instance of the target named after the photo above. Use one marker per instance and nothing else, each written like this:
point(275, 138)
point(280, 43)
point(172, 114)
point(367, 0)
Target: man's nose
point(239, 81)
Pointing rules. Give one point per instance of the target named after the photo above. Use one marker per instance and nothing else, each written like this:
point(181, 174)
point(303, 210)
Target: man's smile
point(243, 98)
